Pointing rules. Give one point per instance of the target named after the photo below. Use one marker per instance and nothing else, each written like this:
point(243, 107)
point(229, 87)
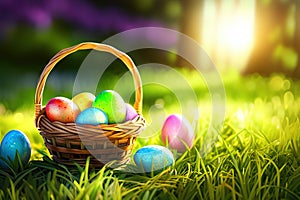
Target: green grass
point(256, 156)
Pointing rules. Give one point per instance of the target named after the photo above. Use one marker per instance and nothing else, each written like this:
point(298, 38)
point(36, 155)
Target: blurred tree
point(273, 47)
point(190, 25)
point(297, 40)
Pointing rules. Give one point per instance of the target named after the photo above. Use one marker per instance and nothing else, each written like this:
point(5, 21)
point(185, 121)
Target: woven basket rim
point(138, 121)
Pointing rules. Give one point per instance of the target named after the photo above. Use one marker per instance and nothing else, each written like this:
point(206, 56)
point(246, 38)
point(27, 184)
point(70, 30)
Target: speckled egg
point(15, 141)
point(84, 100)
point(112, 104)
point(62, 109)
point(130, 112)
point(153, 158)
point(178, 132)
point(92, 116)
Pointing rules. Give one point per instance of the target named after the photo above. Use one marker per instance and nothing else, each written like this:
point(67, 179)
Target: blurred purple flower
point(80, 13)
point(38, 17)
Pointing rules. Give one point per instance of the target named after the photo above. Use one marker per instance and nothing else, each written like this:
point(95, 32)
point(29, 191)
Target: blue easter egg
point(153, 158)
point(92, 116)
point(15, 141)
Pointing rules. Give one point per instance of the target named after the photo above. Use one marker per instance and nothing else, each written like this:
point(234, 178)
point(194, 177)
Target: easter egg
point(84, 100)
point(92, 116)
point(15, 141)
point(130, 112)
point(177, 132)
point(153, 158)
point(112, 104)
point(62, 109)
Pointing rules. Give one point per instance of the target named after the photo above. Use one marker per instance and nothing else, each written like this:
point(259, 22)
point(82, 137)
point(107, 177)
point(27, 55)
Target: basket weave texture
point(69, 142)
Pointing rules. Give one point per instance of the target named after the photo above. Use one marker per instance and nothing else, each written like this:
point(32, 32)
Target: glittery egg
point(130, 112)
point(84, 100)
point(112, 104)
point(15, 141)
point(92, 116)
point(62, 109)
point(153, 158)
point(178, 132)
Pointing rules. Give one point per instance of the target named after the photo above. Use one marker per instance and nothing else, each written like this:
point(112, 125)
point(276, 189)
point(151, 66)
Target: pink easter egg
point(178, 132)
point(130, 112)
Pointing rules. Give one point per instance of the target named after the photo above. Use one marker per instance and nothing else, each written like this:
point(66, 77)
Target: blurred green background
point(243, 36)
point(256, 38)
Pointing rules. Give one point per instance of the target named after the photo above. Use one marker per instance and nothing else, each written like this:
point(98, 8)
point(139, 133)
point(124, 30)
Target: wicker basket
point(69, 143)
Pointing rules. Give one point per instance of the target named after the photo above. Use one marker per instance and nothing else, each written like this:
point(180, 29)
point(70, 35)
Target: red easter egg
point(62, 109)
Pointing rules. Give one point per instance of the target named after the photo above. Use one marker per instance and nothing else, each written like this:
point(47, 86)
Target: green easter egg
point(112, 104)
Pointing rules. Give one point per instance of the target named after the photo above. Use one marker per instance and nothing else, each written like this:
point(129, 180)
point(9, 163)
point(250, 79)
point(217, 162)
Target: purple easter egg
point(130, 112)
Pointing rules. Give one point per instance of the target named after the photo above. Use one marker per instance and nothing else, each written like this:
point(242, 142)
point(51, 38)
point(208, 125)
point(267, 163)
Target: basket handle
point(84, 46)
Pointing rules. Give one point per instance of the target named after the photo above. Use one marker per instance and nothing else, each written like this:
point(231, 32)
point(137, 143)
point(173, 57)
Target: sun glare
point(228, 31)
point(236, 34)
